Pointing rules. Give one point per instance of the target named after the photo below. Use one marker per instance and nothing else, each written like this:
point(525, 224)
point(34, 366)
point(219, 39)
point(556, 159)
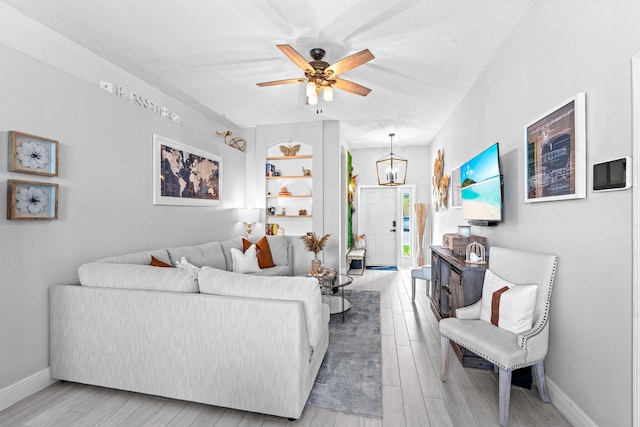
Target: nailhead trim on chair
point(484, 356)
point(523, 338)
point(545, 315)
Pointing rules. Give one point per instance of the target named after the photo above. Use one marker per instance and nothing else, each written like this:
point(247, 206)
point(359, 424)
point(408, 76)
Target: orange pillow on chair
point(265, 260)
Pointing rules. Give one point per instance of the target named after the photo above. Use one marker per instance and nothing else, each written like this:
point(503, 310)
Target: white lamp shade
point(327, 94)
point(249, 215)
point(311, 89)
point(313, 100)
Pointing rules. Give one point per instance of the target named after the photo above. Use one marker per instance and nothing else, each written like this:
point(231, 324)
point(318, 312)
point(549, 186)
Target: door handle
point(394, 230)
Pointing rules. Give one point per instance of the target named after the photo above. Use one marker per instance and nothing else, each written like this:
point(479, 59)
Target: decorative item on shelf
point(464, 230)
point(272, 210)
point(271, 229)
point(475, 253)
point(235, 142)
point(392, 169)
point(305, 171)
point(280, 231)
point(314, 244)
point(270, 169)
point(421, 220)
point(440, 182)
point(458, 244)
point(284, 191)
point(283, 212)
point(249, 216)
point(290, 150)
point(302, 212)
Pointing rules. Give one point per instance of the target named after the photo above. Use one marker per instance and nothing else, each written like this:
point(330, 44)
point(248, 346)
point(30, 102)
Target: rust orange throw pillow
point(265, 260)
point(157, 263)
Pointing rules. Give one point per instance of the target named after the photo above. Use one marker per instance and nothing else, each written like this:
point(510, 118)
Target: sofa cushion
point(245, 262)
point(279, 246)
point(265, 260)
point(226, 251)
point(141, 258)
point(278, 270)
point(209, 254)
point(305, 289)
point(132, 276)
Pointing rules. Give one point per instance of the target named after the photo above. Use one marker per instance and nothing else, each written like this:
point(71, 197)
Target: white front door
point(378, 212)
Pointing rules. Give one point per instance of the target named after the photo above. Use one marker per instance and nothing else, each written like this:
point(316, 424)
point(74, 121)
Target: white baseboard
point(25, 388)
point(567, 407)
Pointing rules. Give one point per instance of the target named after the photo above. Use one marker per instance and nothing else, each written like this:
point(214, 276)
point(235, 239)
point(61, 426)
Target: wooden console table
point(455, 284)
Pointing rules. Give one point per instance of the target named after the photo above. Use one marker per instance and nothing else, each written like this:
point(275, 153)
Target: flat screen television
point(481, 188)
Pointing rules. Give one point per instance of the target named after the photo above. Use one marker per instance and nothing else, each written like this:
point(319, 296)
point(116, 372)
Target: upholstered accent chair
point(423, 273)
point(507, 350)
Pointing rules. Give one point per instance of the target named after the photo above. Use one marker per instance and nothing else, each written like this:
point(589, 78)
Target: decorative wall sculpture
point(440, 183)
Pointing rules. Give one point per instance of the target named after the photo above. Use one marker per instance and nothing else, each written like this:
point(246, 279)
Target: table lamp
point(249, 216)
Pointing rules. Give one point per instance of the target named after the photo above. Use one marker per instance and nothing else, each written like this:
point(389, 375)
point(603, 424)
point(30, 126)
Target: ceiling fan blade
point(352, 87)
point(282, 82)
point(295, 57)
point(350, 62)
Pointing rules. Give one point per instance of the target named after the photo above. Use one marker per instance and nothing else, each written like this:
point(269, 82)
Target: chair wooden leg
point(444, 358)
point(413, 289)
point(542, 383)
point(504, 395)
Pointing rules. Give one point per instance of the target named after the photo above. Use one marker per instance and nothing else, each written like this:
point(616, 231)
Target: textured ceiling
point(211, 54)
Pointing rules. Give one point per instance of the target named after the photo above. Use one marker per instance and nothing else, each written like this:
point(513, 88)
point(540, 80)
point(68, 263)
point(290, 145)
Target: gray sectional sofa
point(244, 341)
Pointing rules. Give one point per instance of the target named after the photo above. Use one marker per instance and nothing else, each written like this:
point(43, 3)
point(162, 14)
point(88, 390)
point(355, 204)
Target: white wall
point(105, 179)
point(559, 49)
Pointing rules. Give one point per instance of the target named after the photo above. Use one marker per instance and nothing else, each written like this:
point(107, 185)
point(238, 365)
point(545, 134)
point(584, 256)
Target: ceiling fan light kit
point(321, 77)
point(392, 169)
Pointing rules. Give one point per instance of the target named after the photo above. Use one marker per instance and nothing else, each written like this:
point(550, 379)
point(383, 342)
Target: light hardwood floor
point(412, 392)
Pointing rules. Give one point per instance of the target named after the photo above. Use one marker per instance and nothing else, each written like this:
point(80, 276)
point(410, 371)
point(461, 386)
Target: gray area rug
point(350, 378)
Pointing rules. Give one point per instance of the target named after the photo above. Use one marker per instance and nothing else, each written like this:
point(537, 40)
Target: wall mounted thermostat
point(612, 175)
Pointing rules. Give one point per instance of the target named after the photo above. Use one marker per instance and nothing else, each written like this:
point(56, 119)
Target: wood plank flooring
point(412, 392)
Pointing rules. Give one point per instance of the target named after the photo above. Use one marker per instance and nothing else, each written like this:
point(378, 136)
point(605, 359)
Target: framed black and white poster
point(555, 153)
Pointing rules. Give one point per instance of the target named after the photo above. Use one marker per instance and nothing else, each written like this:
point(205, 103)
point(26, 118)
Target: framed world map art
point(184, 175)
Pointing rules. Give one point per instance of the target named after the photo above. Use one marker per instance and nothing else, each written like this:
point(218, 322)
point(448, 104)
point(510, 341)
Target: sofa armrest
point(469, 312)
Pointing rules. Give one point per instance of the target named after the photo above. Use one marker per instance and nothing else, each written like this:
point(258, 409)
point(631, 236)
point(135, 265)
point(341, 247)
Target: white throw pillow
point(515, 306)
point(246, 262)
point(183, 263)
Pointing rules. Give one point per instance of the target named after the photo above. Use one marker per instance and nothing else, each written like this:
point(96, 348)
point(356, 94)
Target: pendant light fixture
point(392, 169)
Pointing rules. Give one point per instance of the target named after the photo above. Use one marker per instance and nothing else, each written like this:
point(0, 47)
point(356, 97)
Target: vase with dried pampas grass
point(421, 220)
point(313, 243)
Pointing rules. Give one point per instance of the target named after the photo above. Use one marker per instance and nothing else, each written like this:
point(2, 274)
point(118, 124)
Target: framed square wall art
point(555, 153)
point(31, 200)
point(32, 154)
point(184, 175)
